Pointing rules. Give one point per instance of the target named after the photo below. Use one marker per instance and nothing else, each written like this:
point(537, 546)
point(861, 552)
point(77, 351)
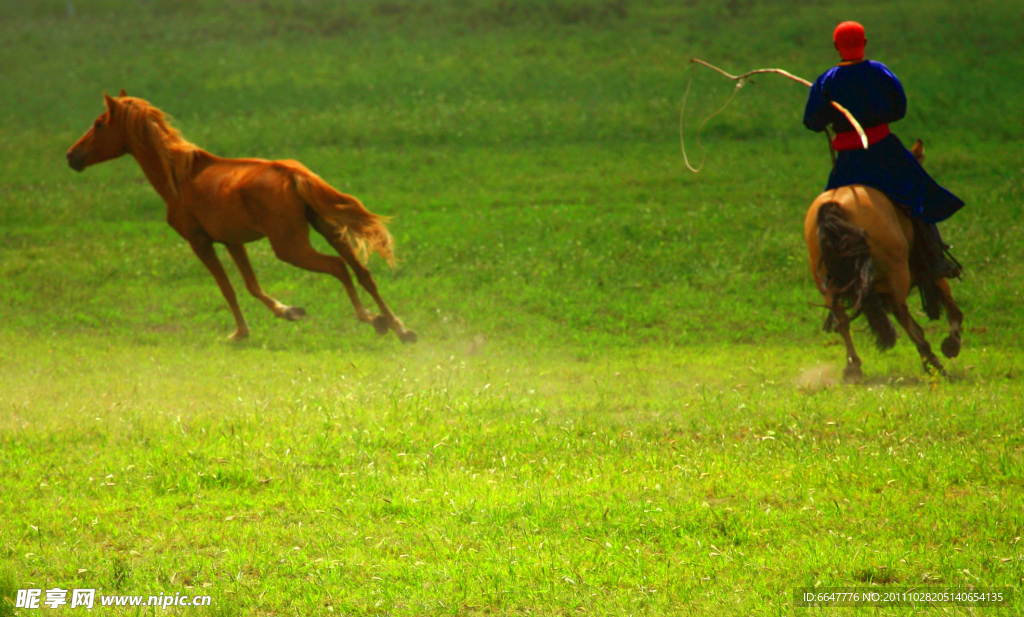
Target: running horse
point(861, 251)
point(236, 201)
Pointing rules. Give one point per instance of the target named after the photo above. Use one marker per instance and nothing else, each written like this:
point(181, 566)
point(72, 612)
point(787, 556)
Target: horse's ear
point(123, 93)
point(918, 150)
point(112, 105)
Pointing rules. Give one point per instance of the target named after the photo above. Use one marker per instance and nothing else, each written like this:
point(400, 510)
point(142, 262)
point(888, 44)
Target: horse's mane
point(147, 125)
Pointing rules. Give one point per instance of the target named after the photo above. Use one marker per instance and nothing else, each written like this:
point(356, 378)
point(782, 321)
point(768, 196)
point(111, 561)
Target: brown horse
point(234, 201)
point(860, 250)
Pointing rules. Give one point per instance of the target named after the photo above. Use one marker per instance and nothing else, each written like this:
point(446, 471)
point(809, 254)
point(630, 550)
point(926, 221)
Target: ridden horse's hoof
point(932, 366)
point(408, 336)
point(239, 335)
point(380, 324)
point(852, 374)
point(293, 313)
point(951, 347)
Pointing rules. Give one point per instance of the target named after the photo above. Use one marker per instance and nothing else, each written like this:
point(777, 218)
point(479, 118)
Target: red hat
point(849, 40)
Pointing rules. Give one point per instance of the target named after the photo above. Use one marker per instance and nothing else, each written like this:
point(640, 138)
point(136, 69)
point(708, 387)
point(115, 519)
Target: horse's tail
point(345, 215)
point(847, 258)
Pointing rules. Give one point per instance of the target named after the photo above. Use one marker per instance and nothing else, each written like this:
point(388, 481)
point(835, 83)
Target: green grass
point(622, 401)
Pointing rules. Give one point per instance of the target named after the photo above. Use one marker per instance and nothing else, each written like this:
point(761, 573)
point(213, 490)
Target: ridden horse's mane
point(146, 125)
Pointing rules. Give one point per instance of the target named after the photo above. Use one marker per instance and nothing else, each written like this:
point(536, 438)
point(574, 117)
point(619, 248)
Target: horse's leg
point(386, 319)
point(203, 248)
point(241, 257)
point(951, 345)
point(899, 278)
point(362, 314)
point(295, 249)
point(917, 335)
point(307, 258)
point(852, 372)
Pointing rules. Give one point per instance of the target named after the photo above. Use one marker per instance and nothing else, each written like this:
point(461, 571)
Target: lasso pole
point(853, 121)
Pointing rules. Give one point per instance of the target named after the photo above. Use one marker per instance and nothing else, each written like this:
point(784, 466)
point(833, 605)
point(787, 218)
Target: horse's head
point(105, 140)
point(918, 151)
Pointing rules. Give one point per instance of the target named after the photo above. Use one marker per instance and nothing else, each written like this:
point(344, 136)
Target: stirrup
point(945, 269)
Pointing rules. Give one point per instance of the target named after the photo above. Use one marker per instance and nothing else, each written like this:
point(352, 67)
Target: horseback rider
point(874, 96)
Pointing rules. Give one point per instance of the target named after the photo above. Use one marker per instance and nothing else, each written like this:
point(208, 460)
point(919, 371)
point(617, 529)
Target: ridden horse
point(859, 247)
point(234, 201)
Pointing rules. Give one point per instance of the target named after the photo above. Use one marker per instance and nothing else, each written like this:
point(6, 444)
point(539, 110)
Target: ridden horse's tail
point(349, 218)
point(847, 258)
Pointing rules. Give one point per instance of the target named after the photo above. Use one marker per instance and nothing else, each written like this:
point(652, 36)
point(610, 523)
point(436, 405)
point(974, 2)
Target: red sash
point(850, 140)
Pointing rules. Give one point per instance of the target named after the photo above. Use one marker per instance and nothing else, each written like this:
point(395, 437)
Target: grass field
point(622, 401)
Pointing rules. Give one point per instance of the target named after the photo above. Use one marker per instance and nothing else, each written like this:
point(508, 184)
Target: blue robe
point(874, 96)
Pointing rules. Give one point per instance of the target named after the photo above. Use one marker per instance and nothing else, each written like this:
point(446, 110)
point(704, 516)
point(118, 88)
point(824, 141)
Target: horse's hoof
point(852, 374)
point(294, 313)
point(932, 366)
point(380, 324)
point(951, 347)
point(408, 336)
point(239, 335)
